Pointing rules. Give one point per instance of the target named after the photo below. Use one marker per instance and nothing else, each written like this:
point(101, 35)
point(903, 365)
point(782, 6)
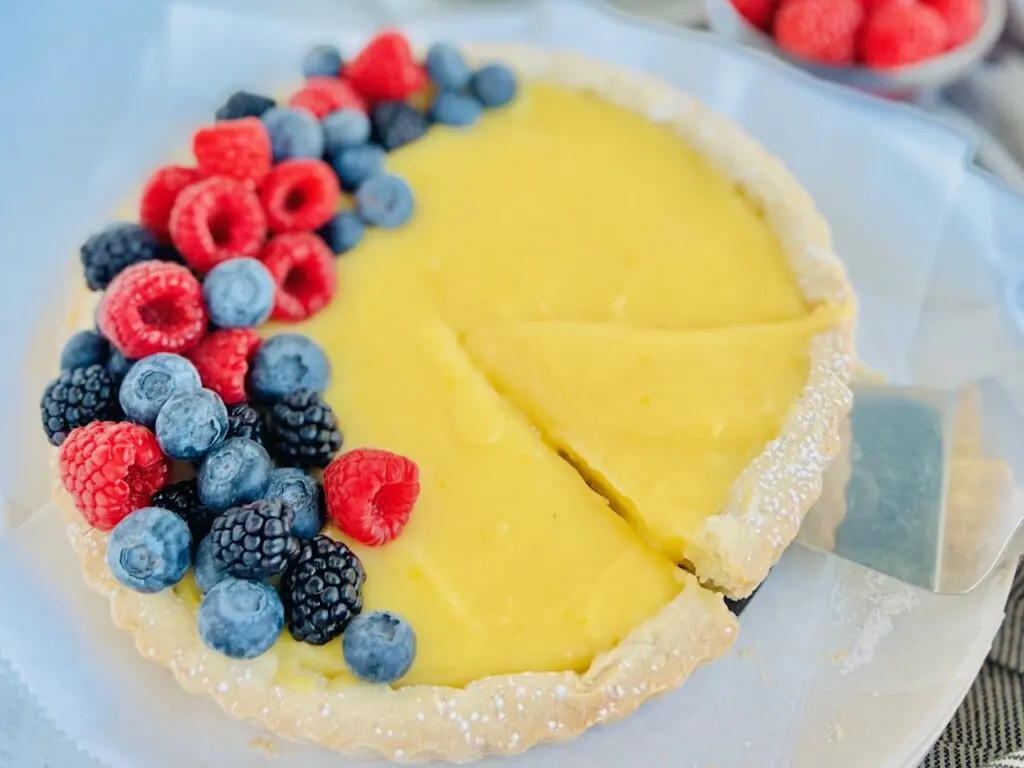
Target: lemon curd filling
point(576, 280)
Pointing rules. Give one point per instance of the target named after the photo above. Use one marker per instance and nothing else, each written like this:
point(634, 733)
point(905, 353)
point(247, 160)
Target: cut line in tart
point(593, 370)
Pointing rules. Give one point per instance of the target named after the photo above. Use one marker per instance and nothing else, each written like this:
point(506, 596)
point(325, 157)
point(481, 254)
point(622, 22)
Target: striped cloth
point(988, 729)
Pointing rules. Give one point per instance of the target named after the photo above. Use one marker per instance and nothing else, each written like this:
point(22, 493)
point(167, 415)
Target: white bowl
point(905, 82)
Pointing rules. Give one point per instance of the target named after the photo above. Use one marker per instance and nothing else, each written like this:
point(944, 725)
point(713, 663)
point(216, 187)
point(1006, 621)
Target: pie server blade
point(911, 495)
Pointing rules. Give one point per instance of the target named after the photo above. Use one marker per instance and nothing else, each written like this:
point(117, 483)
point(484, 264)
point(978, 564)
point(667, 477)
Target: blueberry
point(379, 647)
point(235, 472)
point(446, 67)
point(322, 61)
point(345, 128)
point(353, 165)
point(396, 124)
point(455, 109)
point(83, 349)
point(149, 550)
point(191, 423)
point(494, 85)
point(118, 365)
point(343, 232)
point(286, 363)
point(305, 497)
point(206, 573)
point(243, 104)
point(241, 619)
point(293, 133)
point(384, 200)
point(152, 381)
point(239, 293)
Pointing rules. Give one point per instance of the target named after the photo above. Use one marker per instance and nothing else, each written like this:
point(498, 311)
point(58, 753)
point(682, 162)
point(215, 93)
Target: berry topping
point(191, 423)
point(150, 550)
point(83, 349)
point(159, 194)
point(384, 200)
point(303, 268)
point(353, 165)
point(111, 470)
point(215, 220)
point(396, 124)
point(823, 31)
point(304, 495)
point(493, 85)
point(118, 365)
point(206, 573)
point(287, 363)
point(963, 18)
point(242, 104)
point(75, 398)
point(302, 430)
point(151, 382)
point(235, 472)
point(455, 109)
point(343, 232)
point(182, 498)
point(239, 293)
point(238, 149)
point(293, 133)
point(385, 69)
point(153, 307)
point(245, 421)
point(322, 590)
point(345, 128)
point(379, 647)
point(323, 95)
point(899, 34)
point(370, 494)
point(446, 67)
point(757, 12)
point(322, 61)
point(254, 541)
point(106, 254)
point(222, 359)
point(299, 195)
point(240, 619)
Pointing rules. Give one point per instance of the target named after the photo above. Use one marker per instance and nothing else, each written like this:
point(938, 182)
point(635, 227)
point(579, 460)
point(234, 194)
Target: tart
point(579, 379)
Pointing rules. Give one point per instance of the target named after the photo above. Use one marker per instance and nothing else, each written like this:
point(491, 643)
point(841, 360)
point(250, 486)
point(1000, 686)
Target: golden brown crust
point(509, 714)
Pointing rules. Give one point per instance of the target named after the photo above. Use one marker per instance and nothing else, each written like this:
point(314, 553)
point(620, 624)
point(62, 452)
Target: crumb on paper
point(838, 656)
point(876, 626)
point(266, 746)
point(837, 729)
point(766, 677)
point(747, 653)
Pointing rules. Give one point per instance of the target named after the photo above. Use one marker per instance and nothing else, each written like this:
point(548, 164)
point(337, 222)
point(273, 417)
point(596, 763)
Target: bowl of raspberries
point(892, 48)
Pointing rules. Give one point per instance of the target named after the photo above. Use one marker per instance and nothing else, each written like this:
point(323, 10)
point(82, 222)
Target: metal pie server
point(911, 495)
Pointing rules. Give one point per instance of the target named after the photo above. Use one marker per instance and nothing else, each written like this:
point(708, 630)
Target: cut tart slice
point(667, 423)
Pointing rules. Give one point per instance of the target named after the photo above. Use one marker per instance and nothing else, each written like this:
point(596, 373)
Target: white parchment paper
point(908, 217)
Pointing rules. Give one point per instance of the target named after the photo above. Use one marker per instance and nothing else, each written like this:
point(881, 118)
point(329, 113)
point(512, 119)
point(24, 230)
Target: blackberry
point(242, 104)
point(182, 498)
point(302, 430)
point(75, 398)
point(322, 590)
point(107, 253)
point(254, 541)
point(396, 124)
point(245, 421)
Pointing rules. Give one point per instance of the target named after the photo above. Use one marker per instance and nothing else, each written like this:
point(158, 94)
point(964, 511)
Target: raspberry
point(303, 268)
point(899, 34)
point(385, 69)
point(963, 18)
point(300, 195)
point(153, 307)
point(159, 194)
point(222, 359)
point(757, 12)
point(215, 220)
point(823, 31)
point(111, 470)
point(371, 493)
point(323, 95)
point(238, 149)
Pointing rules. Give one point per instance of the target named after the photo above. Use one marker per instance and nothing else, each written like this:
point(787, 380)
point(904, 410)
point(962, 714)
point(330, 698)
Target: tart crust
point(734, 550)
